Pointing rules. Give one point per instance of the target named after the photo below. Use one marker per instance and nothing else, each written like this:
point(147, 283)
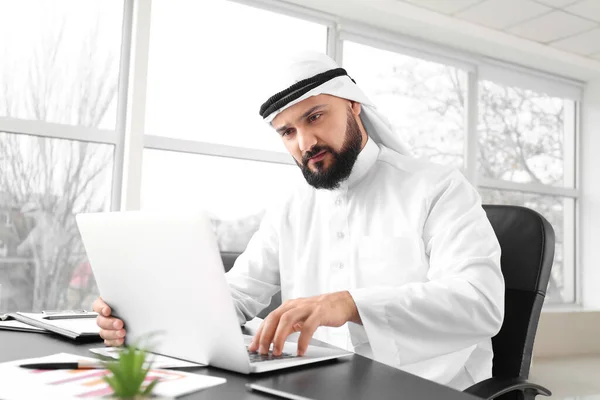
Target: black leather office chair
point(527, 242)
point(228, 258)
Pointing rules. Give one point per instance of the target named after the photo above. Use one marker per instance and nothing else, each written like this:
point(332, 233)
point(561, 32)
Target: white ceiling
point(569, 25)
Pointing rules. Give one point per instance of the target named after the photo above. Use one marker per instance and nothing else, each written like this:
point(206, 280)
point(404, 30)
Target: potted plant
point(128, 374)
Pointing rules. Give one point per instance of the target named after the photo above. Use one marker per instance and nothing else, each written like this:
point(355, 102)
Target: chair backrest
point(527, 242)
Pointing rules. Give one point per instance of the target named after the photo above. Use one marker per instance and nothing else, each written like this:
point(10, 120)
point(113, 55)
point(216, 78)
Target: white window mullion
point(527, 187)
point(514, 75)
point(215, 149)
point(136, 106)
point(578, 212)
point(335, 45)
point(472, 119)
point(119, 158)
point(569, 143)
point(570, 214)
point(569, 238)
point(57, 131)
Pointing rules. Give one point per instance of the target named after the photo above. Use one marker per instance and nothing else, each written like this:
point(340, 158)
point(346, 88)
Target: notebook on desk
point(14, 325)
point(71, 326)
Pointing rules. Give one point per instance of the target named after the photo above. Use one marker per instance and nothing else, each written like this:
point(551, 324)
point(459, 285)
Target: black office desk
point(356, 377)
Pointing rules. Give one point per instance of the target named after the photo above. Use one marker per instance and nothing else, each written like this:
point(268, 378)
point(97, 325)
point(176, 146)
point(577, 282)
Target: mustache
point(313, 152)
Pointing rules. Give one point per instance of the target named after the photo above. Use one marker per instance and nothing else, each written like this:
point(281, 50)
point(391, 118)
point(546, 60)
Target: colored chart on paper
point(88, 383)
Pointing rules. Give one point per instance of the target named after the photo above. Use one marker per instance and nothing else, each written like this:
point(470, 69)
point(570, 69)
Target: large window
point(526, 139)
point(208, 89)
point(59, 66)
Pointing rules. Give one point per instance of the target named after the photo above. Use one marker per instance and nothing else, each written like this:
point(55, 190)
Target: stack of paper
point(13, 325)
point(73, 328)
point(20, 383)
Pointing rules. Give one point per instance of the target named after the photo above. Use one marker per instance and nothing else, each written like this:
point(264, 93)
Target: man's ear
point(356, 108)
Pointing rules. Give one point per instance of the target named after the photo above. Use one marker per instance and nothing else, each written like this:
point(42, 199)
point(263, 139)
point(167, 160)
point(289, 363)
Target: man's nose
point(306, 140)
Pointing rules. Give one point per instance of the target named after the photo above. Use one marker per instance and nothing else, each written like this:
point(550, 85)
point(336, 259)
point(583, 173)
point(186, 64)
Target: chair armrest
point(494, 387)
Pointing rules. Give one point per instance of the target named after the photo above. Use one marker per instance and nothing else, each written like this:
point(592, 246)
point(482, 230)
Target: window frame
point(129, 139)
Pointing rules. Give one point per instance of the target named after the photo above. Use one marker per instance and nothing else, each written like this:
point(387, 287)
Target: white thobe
point(411, 243)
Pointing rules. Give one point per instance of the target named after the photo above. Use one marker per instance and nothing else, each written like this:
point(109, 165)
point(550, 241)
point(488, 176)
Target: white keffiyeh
point(308, 64)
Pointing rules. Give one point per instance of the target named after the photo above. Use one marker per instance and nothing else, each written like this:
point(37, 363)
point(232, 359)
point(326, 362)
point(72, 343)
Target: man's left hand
point(303, 315)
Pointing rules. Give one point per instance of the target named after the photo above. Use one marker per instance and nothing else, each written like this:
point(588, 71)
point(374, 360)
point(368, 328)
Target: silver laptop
point(162, 273)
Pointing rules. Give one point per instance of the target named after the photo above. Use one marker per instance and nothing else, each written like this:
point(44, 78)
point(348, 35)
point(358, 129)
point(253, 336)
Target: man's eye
point(286, 132)
point(314, 117)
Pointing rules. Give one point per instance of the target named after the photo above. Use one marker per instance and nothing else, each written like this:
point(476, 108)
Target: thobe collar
point(365, 160)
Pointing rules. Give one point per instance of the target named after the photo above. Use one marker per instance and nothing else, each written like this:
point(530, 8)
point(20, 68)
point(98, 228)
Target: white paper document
point(21, 383)
point(13, 325)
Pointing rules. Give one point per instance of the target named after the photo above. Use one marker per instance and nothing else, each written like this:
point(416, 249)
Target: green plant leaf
point(128, 371)
point(150, 387)
point(119, 374)
point(114, 385)
point(127, 363)
point(121, 377)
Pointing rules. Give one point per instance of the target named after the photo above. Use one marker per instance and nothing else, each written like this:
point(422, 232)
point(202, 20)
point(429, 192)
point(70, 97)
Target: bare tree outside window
point(521, 139)
point(424, 101)
point(59, 66)
point(521, 135)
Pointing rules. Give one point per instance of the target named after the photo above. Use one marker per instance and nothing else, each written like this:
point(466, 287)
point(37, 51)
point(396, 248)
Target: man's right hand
point(111, 328)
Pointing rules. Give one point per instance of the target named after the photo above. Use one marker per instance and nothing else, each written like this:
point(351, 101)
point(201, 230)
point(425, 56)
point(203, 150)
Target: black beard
point(342, 163)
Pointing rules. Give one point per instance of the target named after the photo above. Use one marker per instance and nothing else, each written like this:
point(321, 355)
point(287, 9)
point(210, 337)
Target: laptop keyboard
point(257, 357)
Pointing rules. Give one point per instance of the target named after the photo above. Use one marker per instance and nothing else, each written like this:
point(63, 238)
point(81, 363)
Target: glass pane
point(522, 136)
point(207, 80)
point(559, 211)
point(61, 63)
point(235, 192)
point(423, 100)
point(43, 184)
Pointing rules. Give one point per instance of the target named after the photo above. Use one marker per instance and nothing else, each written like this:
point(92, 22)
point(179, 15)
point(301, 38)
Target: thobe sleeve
point(254, 277)
point(462, 302)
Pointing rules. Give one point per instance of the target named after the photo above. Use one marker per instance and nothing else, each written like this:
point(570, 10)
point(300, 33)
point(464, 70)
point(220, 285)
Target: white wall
point(568, 334)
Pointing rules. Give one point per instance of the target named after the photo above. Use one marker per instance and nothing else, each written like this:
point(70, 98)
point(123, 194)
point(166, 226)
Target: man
point(381, 254)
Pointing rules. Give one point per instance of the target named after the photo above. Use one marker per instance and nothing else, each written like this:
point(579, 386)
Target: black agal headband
point(298, 89)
